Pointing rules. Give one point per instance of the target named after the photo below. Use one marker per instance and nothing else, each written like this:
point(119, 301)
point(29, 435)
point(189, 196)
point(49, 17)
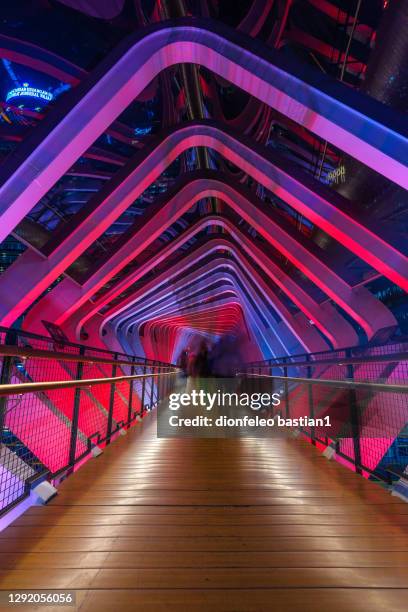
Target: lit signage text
point(29, 92)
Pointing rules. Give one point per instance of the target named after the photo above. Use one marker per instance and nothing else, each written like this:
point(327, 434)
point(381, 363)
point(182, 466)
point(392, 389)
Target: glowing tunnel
point(197, 225)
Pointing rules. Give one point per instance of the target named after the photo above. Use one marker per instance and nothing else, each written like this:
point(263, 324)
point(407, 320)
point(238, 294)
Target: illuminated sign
point(337, 176)
point(142, 131)
point(29, 92)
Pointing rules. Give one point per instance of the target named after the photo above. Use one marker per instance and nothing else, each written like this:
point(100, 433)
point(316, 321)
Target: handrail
point(365, 404)
point(24, 388)
point(75, 422)
point(345, 384)
point(339, 361)
point(345, 350)
point(26, 353)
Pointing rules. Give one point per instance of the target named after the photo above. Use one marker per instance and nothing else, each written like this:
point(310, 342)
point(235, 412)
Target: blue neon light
point(142, 131)
point(29, 92)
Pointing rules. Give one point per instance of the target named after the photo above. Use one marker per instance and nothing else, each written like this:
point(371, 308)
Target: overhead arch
point(326, 317)
point(176, 311)
point(308, 197)
point(351, 121)
point(359, 303)
point(67, 298)
point(279, 337)
point(224, 316)
point(298, 324)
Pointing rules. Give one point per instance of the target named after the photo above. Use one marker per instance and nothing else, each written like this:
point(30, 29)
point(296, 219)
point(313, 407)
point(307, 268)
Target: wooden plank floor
point(213, 525)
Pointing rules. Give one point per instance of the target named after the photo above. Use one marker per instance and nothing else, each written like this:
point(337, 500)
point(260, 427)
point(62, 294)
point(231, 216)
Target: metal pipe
point(342, 384)
point(24, 388)
point(27, 353)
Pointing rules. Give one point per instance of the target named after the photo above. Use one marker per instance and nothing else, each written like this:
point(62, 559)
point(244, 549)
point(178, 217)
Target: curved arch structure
point(308, 197)
point(67, 297)
point(180, 316)
point(351, 122)
point(278, 338)
point(298, 324)
point(354, 123)
point(327, 319)
point(205, 321)
point(245, 250)
point(211, 322)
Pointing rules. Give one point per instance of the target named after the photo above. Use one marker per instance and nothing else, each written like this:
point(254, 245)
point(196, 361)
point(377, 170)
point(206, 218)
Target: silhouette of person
point(201, 362)
point(183, 361)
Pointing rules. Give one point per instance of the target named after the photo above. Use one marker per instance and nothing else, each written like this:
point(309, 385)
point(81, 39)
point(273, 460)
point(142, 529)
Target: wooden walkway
point(213, 525)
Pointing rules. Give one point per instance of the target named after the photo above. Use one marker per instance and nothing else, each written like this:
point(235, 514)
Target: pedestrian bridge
point(243, 523)
point(213, 524)
point(193, 190)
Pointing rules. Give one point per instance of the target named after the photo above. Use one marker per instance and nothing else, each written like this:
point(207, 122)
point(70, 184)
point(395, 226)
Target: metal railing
point(364, 390)
point(59, 401)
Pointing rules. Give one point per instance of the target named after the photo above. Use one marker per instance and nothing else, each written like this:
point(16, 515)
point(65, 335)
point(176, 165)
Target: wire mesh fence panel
point(38, 427)
point(121, 401)
point(48, 430)
point(92, 418)
point(368, 425)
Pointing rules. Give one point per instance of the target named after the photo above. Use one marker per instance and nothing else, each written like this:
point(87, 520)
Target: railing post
point(5, 379)
point(310, 400)
point(166, 380)
point(130, 400)
point(152, 385)
point(158, 383)
point(171, 383)
point(163, 382)
point(75, 412)
point(286, 387)
point(354, 417)
point(143, 391)
point(111, 402)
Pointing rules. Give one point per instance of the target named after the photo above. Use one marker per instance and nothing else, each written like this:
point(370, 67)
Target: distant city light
point(337, 176)
point(27, 91)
